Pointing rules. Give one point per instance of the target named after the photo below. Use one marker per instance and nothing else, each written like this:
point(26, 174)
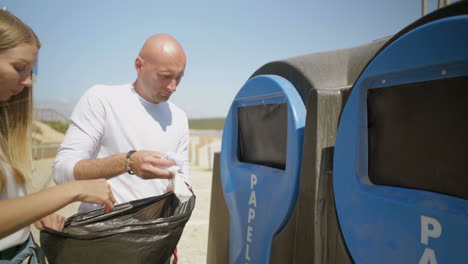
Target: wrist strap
point(127, 162)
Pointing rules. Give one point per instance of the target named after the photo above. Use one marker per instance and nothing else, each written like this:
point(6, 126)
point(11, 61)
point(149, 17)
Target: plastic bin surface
point(260, 198)
point(388, 224)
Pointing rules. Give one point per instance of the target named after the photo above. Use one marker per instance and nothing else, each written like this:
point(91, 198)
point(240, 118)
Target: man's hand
point(149, 165)
point(53, 221)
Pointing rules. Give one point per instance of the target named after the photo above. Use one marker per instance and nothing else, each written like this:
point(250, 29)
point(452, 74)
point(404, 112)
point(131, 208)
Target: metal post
point(424, 7)
point(441, 4)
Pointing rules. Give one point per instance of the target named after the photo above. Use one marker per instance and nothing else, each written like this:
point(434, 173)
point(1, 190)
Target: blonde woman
point(18, 54)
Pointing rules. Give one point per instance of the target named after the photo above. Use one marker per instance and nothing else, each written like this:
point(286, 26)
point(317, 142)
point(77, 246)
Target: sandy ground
point(192, 246)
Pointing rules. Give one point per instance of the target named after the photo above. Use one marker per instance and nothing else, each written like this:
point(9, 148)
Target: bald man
point(121, 133)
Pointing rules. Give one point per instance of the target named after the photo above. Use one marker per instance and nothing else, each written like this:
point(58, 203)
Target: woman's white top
point(12, 190)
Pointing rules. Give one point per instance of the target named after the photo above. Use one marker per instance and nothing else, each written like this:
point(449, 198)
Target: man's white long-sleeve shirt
point(110, 120)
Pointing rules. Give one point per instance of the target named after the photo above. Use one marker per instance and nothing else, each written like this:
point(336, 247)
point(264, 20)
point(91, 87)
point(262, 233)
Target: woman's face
point(16, 65)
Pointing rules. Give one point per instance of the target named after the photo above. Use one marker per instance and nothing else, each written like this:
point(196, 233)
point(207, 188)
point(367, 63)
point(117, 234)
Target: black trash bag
point(141, 231)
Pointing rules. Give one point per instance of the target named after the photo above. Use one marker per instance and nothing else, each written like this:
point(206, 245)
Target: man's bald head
point(160, 66)
point(161, 45)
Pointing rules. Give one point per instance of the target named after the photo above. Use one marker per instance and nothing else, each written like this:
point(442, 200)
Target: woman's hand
point(53, 221)
point(95, 191)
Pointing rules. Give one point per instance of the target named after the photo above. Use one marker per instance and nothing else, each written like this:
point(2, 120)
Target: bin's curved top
point(336, 69)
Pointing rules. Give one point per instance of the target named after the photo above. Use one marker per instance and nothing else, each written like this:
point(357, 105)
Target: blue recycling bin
point(399, 175)
point(260, 164)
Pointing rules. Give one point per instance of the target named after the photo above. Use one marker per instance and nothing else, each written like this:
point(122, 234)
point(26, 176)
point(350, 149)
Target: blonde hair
point(16, 113)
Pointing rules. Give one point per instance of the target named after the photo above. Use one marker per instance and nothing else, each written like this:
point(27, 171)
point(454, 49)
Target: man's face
point(160, 76)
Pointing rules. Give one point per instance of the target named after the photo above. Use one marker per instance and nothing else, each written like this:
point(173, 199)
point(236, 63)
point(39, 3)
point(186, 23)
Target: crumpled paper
point(177, 183)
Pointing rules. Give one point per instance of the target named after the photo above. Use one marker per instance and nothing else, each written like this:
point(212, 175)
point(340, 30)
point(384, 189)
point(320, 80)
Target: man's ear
point(138, 64)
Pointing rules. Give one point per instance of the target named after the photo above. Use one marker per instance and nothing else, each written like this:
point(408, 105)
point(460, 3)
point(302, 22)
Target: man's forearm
point(100, 168)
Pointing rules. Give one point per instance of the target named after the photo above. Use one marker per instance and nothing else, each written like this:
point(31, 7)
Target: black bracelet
point(127, 162)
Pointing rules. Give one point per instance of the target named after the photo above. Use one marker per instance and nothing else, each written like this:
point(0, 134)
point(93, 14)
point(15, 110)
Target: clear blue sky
point(91, 42)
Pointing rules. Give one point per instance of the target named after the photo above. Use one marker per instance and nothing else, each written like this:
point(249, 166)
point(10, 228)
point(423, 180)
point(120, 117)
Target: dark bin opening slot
point(418, 136)
point(263, 135)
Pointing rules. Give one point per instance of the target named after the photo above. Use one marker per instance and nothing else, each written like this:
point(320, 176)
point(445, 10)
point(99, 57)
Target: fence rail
point(48, 114)
point(44, 151)
point(203, 145)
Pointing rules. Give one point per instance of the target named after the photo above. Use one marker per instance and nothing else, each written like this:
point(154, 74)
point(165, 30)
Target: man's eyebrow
point(22, 60)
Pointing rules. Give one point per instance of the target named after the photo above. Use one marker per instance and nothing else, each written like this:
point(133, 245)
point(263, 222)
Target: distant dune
point(44, 134)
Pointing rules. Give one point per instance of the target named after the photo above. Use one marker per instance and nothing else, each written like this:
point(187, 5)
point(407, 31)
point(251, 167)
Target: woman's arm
point(20, 212)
